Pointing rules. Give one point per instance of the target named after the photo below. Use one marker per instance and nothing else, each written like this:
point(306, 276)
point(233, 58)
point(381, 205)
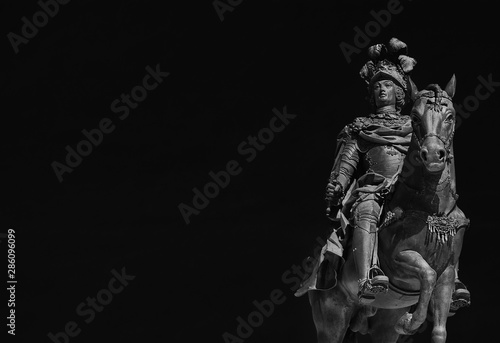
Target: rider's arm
point(345, 164)
point(346, 161)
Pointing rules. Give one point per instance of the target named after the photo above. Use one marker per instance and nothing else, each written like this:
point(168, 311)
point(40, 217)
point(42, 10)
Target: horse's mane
point(433, 90)
point(434, 87)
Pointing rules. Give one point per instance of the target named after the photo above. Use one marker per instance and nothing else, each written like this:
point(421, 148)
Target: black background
point(119, 208)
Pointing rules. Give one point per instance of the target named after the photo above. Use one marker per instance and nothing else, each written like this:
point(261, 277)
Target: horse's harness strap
point(431, 94)
point(446, 140)
point(442, 226)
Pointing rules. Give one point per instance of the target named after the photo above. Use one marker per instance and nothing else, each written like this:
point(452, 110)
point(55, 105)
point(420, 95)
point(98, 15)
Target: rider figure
point(374, 147)
point(371, 151)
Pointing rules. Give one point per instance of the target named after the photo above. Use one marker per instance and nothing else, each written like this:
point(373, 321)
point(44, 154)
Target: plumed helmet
point(389, 62)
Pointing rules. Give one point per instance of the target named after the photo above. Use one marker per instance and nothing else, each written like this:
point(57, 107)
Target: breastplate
point(382, 159)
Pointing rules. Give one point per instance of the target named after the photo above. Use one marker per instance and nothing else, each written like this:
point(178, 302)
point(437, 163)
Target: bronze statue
point(421, 229)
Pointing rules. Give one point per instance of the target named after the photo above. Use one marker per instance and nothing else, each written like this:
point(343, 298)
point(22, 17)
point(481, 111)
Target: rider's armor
point(370, 155)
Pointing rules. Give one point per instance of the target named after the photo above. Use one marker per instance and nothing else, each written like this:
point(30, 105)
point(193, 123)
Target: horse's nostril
point(423, 155)
point(441, 154)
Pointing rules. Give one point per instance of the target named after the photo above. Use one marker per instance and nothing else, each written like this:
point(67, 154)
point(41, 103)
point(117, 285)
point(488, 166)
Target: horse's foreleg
point(415, 266)
point(331, 314)
point(382, 325)
point(440, 304)
point(350, 337)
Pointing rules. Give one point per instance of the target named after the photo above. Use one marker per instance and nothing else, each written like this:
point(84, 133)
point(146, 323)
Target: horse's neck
point(432, 193)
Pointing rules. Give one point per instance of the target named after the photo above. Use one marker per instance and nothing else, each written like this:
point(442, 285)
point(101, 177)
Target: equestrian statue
point(392, 257)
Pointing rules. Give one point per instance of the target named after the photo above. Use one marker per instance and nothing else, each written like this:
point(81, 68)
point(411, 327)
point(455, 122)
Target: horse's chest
point(414, 230)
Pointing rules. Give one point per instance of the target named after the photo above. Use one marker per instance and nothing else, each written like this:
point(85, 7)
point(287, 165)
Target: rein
point(438, 94)
point(446, 140)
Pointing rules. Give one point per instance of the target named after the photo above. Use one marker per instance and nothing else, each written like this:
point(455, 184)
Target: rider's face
point(384, 93)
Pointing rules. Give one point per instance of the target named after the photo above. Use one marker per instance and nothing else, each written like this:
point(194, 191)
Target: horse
point(419, 239)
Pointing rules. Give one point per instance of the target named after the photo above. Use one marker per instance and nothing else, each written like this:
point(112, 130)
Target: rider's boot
point(369, 287)
point(371, 278)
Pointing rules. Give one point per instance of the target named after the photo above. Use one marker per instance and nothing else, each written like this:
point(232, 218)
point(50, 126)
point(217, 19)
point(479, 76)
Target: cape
point(368, 131)
point(382, 130)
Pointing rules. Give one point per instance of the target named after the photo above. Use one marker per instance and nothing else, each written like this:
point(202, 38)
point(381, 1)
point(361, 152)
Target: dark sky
point(119, 207)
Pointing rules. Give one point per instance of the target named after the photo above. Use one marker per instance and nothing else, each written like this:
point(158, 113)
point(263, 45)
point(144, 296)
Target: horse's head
point(433, 121)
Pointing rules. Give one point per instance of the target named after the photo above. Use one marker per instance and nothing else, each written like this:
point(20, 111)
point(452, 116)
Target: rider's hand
point(334, 195)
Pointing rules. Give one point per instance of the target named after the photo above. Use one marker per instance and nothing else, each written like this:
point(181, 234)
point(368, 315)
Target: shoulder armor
point(357, 125)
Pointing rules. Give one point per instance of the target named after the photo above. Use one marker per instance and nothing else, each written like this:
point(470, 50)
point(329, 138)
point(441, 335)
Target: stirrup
point(460, 297)
point(368, 289)
point(365, 294)
point(378, 279)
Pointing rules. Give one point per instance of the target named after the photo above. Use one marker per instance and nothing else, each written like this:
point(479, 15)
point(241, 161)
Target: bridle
point(438, 94)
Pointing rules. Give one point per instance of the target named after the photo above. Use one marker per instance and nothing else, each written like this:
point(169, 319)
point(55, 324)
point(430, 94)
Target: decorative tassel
point(442, 227)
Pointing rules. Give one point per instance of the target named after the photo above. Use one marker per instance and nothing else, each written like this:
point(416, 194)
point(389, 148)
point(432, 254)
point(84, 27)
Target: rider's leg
point(366, 215)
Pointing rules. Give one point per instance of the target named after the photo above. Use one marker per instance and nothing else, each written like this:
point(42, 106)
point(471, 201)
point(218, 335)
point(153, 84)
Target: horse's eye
point(415, 118)
point(450, 118)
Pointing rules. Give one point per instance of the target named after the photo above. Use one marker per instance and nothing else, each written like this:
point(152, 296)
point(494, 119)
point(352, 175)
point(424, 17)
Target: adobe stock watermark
point(247, 149)
point(222, 6)
point(87, 309)
point(265, 308)
point(121, 107)
point(470, 104)
point(372, 29)
point(29, 29)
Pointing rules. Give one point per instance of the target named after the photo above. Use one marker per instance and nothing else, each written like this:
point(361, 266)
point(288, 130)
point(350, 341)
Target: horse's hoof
point(403, 325)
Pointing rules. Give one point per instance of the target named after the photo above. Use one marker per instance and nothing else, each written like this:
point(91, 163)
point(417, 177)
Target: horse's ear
point(451, 86)
point(413, 89)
